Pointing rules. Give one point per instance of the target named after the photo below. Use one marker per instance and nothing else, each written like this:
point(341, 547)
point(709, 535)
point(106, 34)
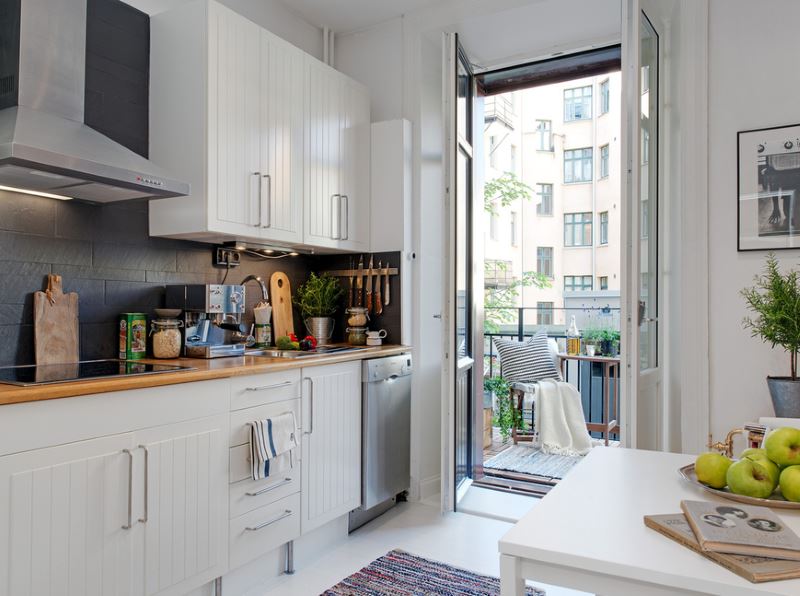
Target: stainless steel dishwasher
point(385, 435)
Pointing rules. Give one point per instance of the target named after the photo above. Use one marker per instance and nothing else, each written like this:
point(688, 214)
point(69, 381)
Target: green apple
point(751, 478)
point(790, 483)
point(711, 469)
point(760, 455)
point(783, 446)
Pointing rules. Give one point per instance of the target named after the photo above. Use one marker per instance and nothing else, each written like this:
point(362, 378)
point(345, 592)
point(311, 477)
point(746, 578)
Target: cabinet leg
point(290, 557)
point(218, 586)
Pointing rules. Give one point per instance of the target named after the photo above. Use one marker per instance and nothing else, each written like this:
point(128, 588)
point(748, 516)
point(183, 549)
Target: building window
point(603, 282)
point(578, 229)
point(604, 227)
point(544, 135)
point(645, 146)
point(577, 283)
point(645, 78)
point(645, 218)
point(544, 260)
point(512, 158)
point(514, 228)
point(494, 227)
point(493, 151)
point(578, 103)
point(604, 161)
point(578, 165)
point(545, 204)
point(544, 313)
point(605, 97)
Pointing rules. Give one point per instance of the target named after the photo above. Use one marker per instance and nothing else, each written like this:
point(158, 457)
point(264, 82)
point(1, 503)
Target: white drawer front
point(240, 432)
point(249, 494)
point(262, 530)
point(256, 390)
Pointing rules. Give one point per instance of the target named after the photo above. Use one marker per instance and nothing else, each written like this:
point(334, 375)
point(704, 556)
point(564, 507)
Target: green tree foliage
point(500, 304)
point(503, 191)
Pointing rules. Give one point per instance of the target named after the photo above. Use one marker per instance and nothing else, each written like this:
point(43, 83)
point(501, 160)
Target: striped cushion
point(527, 362)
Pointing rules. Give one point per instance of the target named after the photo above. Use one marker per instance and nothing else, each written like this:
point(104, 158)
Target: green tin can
point(132, 335)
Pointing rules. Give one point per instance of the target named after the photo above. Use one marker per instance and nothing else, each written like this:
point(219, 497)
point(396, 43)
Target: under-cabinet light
point(37, 193)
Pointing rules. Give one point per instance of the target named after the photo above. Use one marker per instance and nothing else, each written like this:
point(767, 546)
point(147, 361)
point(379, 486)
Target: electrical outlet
point(226, 257)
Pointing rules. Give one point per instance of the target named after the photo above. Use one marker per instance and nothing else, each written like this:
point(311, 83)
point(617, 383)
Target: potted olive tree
point(775, 302)
point(318, 300)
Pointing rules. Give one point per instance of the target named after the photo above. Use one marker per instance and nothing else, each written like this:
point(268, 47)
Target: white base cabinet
point(331, 443)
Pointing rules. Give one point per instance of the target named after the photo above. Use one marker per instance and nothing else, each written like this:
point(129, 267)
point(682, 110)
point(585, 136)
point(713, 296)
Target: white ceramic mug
point(375, 341)
point(376, 334)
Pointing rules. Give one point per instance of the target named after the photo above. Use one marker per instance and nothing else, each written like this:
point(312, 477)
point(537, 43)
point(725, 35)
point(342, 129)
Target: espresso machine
point(212, 319)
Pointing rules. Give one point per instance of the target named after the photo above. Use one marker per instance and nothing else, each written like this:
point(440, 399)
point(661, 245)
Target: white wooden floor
point(468, 541)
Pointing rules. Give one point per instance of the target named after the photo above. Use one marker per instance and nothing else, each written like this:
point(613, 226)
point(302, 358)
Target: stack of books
point(751, 541)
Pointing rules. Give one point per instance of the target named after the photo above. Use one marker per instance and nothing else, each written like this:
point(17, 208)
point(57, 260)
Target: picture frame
point(768, 188)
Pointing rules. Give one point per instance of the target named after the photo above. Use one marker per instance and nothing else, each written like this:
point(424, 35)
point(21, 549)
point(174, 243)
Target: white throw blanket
point(559, 421)
point(272, 443)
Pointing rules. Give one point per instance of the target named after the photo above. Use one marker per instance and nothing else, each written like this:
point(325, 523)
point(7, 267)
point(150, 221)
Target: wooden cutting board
point(55, 324)
point(280, 292)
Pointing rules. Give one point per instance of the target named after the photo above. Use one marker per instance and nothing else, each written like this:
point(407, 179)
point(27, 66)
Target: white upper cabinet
point(270, 138)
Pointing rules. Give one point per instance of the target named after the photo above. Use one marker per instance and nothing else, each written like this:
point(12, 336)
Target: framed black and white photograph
point(769, 188)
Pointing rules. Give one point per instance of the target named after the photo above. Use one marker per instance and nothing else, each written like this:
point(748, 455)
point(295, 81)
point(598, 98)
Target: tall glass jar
point(166, 338)
point(357, 316)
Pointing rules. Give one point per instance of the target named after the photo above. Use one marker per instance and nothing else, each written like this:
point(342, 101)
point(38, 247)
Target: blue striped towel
point(272, 443)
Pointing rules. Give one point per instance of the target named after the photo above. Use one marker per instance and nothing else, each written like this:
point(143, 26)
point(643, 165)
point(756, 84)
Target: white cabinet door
point(62, 512)
point(281, 104)
point(186, 513)
point(323, 152)
point(331, 442)
point(355, 186)
point(234, 163)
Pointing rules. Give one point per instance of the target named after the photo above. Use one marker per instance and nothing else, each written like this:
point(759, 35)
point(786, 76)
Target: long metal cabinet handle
point(146, 482)
point(129, 525)
point(258, 223)
point(265, 387)
point(269, 488)
point(268, 201)
point(310, 405)
point(335, 209)
point(346, 219)
point(286, 513)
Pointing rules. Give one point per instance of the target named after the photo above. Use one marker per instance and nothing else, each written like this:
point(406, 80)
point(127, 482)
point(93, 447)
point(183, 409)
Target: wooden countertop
point(204, 370)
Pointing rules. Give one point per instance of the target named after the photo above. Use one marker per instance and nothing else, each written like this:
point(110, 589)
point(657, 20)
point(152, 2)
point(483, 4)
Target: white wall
point(753, 82)
point(270, 14)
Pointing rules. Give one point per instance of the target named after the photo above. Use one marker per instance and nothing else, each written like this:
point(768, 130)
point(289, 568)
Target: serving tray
point(775, 500)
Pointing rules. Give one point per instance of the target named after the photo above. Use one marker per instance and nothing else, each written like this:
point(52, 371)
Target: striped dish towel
point(272, 443)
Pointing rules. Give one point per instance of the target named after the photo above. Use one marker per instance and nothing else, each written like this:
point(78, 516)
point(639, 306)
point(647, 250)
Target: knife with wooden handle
point(387, 298)
point(360, 282)
point(378, 307)
point(350, 292)
point(369, 286)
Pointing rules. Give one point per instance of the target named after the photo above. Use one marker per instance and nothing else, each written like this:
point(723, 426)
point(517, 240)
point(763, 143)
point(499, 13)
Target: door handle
point(129, 525)
point(143, 519)
point(262, 525)
point(268, 201)
point(258, 224)
point(346, 218)
point(269, 488)
point(265, 387)
point(335, 209)
point(310, 405)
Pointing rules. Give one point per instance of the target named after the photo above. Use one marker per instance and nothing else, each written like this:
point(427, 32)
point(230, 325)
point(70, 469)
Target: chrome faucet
point(257, 279)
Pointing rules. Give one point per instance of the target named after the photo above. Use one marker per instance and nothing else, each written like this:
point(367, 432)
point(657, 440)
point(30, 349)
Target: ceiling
point(351, 15)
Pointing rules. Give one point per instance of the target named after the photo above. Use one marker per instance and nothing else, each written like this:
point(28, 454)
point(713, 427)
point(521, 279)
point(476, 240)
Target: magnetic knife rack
point(363, 272)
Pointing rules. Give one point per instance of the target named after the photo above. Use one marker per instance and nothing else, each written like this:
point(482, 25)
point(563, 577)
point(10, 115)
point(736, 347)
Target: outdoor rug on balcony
point(529, 460)
point(399, 573)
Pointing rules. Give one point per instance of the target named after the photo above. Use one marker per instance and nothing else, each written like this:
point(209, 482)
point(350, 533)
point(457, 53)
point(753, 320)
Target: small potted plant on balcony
point(318, 300)
point(591, 339)
point(775, 302)
point(506, 415)
point(609, 342)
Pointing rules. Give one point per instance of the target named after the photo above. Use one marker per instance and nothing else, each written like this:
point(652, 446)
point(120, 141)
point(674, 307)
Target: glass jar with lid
point(166, 338)
point(356, 336)
point(357, 316)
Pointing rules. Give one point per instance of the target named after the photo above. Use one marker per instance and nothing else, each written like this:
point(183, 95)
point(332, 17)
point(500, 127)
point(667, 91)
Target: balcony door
point(643, 400)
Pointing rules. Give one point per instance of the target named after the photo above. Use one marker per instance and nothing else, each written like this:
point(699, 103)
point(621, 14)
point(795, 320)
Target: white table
point(588, 534)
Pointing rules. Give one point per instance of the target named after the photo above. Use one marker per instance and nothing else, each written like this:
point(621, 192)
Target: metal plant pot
point(321, 328)
point(785, 393)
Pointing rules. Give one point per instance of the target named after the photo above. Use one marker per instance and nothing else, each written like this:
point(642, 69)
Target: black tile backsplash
point(104, 253)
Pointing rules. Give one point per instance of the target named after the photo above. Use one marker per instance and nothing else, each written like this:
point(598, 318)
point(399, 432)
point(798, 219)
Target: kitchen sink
point(321, 351)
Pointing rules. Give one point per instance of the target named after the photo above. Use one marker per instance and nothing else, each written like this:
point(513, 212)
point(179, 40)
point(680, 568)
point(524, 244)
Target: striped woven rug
point(399, 573)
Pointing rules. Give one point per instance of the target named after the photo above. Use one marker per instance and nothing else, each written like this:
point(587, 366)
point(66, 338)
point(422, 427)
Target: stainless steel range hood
point(44, 144)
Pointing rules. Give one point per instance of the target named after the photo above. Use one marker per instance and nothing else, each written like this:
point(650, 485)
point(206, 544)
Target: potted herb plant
point(506, 416)
point(591, 339)
point(609, 342)
point(775, 302)
point(318, 300)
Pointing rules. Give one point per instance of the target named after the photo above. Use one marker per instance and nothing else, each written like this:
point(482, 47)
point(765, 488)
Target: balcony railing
point(500, 108)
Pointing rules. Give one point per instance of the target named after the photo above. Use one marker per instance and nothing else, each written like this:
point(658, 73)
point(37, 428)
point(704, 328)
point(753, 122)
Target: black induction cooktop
point(81, 371)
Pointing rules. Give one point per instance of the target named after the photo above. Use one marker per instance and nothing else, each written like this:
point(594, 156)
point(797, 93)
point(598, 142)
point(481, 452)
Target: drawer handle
point(265, 387)
point(286, 513)
point(266, 489)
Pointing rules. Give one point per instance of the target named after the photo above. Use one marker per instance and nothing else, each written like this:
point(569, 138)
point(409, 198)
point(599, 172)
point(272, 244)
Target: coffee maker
point(212, 319)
